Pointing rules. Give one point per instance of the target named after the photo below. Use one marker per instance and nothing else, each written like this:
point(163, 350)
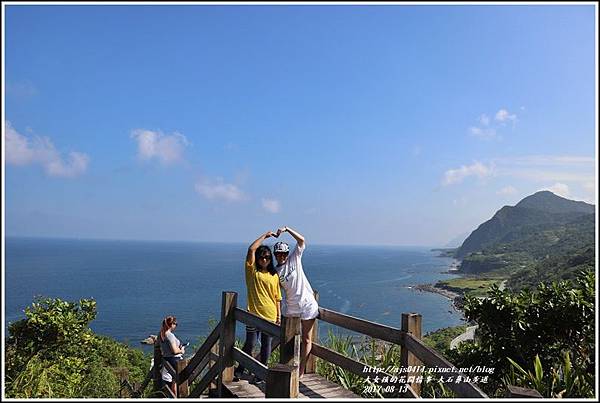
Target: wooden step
point(312, 386)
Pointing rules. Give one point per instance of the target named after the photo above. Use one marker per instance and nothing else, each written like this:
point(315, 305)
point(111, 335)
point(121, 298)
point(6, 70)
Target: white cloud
point(454, 176)
point(565, 169)
point(484, 119)
point(219, 190)
point(475, 131)
point(560, 189)
point(485, 133)
point(572, 176)
point(167, 148)
point(271, 205)
point(77, 165)
point(508, 190)
point(488, 129)
point(503, 115)
point(20, 150)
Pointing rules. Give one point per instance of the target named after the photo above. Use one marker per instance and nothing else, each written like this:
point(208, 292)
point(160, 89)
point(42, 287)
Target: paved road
point(469, 334)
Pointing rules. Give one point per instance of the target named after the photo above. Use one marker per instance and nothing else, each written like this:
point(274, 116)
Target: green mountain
point(544, 237)
point(551, 203)
point(539, 212)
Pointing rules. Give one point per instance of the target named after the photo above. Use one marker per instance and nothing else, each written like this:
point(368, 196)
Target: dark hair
point(270, 266)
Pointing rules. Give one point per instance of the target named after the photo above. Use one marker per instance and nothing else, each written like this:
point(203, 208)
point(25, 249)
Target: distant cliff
point(543, 237)
point(540, 212)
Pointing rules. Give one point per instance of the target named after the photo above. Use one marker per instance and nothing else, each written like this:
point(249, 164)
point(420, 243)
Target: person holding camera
point(171, 349)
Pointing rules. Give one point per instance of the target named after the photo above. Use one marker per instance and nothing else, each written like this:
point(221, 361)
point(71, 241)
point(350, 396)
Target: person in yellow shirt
point(264, 296)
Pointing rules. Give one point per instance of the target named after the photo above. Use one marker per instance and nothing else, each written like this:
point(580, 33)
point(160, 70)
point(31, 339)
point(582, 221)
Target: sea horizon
point(136, 283)
point(74, 238)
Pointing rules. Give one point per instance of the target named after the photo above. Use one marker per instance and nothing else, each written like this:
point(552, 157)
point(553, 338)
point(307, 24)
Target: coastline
point(453, 296)
point(437, 290)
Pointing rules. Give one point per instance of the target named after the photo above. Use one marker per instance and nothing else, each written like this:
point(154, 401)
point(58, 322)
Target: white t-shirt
point(299, 296)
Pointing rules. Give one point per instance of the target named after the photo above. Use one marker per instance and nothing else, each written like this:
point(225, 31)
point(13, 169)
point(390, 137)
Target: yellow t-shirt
point(263, 292)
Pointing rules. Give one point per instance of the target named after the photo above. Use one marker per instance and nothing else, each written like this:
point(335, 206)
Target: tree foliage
point(52, 353)
point(546, 323)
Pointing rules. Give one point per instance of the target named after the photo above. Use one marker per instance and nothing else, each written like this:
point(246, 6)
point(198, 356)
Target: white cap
point(281, 247)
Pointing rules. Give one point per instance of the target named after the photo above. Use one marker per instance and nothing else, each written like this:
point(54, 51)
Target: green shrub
point(52, 353)
point(564, 381)
point(440, 339)
point(552, 320)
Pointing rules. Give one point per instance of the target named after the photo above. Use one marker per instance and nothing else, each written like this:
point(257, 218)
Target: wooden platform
point(312, 386)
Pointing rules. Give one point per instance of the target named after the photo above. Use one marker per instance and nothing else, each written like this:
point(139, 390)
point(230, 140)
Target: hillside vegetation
point(542, 338)
point(52, 353)
point(542, 238)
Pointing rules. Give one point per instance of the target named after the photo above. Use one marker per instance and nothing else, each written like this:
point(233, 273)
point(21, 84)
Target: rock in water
point(149, 340)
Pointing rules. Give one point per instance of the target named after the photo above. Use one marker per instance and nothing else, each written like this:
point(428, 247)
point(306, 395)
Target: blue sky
point(402, 125)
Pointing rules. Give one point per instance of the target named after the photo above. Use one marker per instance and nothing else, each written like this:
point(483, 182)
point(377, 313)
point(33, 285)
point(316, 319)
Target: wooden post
point(226, 339)
point(212, 387)
point(311, 362)
point(182, 387)
point(518, 392)
point(282, 382)
point(289, 350)
point(156, 366)
point(411, 323)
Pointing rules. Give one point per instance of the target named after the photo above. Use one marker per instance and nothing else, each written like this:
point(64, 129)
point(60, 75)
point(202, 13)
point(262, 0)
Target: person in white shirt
point(299, 296)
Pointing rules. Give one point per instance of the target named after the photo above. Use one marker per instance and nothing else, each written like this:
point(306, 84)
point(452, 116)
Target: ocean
point(137, 283)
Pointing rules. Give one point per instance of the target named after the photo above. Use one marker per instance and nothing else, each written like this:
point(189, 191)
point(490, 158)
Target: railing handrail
point(251, 363)
point(204, 354)
point(199, 355)
point(207, 379)
point(431, 357)
point(140, 391)
point(353, 366)
point(209, 358)
point(261, 324)
point(373, 329)
point(400, 337)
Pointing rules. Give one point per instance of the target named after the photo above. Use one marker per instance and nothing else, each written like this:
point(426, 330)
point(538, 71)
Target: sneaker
point(237, 375)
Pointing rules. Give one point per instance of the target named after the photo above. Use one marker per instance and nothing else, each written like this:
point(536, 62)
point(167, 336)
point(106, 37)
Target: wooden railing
point(413, 352)
point(218, 354)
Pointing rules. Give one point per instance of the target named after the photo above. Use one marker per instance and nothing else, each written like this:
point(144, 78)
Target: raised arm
point(254, 246)
point(297, 236)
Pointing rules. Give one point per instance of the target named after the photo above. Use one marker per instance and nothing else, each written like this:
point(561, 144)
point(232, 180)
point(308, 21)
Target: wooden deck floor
point(312, 386)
